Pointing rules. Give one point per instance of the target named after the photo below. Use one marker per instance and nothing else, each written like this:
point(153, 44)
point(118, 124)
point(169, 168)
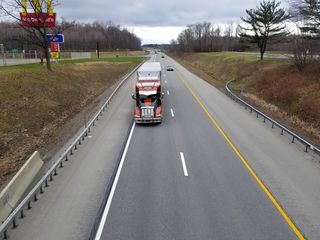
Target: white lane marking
point(107, 207)
point(172, 113)
point(168, 92)
point(165, 81)
point(184, 166)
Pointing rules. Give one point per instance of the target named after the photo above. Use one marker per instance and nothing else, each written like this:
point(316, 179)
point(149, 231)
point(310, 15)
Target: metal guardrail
point(26, 203)
point(273, 122)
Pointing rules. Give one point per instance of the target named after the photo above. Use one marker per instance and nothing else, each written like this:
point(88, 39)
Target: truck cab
point(148, 106)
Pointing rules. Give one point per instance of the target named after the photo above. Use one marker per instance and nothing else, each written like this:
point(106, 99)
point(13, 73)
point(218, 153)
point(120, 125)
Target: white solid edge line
point(114, 185)
point(172, 113)
point(184, 166)
point(168, 92)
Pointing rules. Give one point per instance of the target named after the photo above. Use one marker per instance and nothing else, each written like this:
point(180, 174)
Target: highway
point(194, 176)
point(181, 180)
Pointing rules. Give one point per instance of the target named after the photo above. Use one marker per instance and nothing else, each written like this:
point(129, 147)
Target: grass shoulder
point(36, 103)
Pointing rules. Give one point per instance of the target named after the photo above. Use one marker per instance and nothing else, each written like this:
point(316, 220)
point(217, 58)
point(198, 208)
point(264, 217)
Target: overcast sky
point(155, 21)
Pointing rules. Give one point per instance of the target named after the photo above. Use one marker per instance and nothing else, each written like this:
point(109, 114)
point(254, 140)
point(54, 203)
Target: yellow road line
point(244, 161)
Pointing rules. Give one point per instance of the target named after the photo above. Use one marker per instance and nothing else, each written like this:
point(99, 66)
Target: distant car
point(162, 56)
point(170, 68)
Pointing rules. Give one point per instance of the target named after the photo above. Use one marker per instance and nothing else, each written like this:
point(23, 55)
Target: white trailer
point(149, 71)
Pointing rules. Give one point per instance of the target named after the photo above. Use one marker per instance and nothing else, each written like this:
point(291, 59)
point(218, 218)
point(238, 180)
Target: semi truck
point(148, 95)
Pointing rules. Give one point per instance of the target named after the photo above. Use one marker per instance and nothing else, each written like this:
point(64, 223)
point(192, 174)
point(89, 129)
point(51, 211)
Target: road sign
point(55, 55)
point(55, 38)
point(54, 47)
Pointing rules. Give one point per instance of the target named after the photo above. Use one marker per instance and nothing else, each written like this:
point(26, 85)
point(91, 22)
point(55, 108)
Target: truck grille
point(147, 112)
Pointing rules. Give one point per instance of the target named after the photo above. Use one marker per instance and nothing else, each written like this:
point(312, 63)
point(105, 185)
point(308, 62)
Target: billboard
point(39, 18)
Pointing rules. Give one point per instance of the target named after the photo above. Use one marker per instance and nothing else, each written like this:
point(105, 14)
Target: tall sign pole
point(3, 54)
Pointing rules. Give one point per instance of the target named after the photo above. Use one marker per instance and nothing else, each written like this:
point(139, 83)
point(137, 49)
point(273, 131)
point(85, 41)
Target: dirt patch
point(36, 104)
point(273, 85)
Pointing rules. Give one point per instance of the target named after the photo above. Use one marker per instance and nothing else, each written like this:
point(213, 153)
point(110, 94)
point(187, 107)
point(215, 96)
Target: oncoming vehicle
point(148, 107)
point(148, 94)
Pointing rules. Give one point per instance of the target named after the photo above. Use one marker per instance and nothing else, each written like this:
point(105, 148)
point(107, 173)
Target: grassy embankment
point(273, 85)
point(35, 104)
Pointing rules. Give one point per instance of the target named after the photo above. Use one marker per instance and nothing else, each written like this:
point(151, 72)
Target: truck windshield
point(143, 97)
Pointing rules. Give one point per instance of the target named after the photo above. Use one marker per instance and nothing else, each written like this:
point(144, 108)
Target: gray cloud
point(155, 13)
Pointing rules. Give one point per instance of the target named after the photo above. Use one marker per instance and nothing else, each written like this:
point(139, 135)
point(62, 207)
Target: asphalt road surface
point(182, 179)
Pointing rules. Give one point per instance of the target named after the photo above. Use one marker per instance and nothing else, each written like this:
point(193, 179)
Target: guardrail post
point(29, 205)
point(61, 164)
point(21, 214)
point(35, 197)
point(306, 148)
point(281, 131)
point(14, 223)
point(5, 234)
point(293, 139)
point(272, 125)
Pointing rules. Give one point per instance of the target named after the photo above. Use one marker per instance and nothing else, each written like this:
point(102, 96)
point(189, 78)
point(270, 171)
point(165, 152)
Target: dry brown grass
point(294, 96)
point(35, 103)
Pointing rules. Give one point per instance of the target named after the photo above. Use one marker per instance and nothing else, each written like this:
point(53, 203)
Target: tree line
point(261, 27)
point(78, 37)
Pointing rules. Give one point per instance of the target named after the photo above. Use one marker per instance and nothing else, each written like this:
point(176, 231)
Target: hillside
point(37, 104)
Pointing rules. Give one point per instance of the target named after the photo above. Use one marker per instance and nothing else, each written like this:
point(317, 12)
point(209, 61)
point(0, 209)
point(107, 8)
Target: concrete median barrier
point(13, 192)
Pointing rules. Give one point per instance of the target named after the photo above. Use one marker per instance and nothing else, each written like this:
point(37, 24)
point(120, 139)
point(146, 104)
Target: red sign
point(54, 47)
point(38, 19)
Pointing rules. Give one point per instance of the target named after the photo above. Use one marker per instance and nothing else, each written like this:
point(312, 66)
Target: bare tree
point(206, 36)
point(301, 52)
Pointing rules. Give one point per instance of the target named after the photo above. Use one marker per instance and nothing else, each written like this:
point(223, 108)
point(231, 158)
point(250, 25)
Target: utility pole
point(98, 50)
